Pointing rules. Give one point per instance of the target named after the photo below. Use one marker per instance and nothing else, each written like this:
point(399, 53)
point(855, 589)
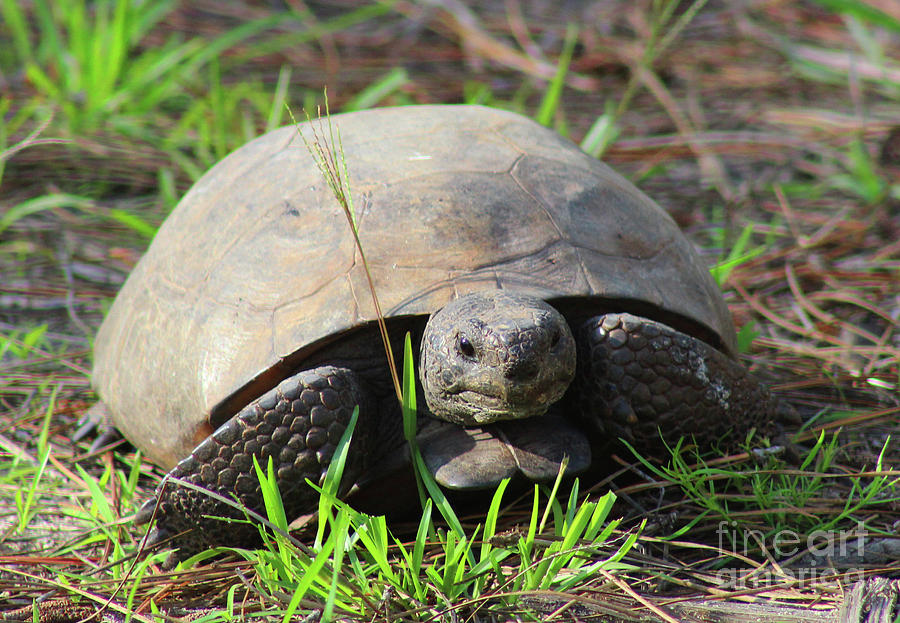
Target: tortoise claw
point(145, 513)
point(787, 414)
point(156, 536)
point(96, 421)
point(540, 445)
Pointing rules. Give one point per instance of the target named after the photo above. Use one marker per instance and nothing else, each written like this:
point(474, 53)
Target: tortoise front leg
point(637, 379)
point(298, 424)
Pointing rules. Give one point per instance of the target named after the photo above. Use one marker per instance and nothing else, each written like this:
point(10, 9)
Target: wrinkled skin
point(491, 358)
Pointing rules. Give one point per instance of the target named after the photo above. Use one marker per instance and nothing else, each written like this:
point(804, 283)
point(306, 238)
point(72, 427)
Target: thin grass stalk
point(337, 176)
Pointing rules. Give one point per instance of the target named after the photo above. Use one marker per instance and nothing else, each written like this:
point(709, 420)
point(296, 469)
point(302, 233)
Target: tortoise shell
point(256, 268)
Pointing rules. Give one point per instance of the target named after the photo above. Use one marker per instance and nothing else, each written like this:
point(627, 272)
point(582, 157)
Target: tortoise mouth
point(492, 404)
point(481, 457)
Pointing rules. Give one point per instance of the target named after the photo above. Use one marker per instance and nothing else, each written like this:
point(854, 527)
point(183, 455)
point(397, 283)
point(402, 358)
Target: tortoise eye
point(465, 346)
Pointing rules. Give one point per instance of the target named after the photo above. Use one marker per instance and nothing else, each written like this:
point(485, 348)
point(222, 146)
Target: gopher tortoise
point(556, 307)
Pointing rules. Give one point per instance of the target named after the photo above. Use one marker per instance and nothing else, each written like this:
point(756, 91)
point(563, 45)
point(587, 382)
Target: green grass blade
point(217, 110)
point(347, 19)
point(552, 497)
point(30, 340)
point(602, 508)
point(271, 496)
point(601, 134)
point(374, 536)
point(862, 10)
point(99, 500)
point(574, 531)
point(674, 31)
point(339, 536)
point(423, 475)
point(409, 391)
point(745, 337)
point(532, 522)
point(133, 222)
point(572, 505)
point(39, 204)
point(331, 484)
point(870, 185)
point(44, 84)
point(75, 61)
point(736, 256)
point(156, 75)
point(490, 521)
point(21, 343)
point(215, 48)
point(310, 574)
point(25, 510)
point(437, 495)
point(14, 19)
point(93, 63)
point(151, 13)
point(279, 98)
point(550, 102)
point(116, 50)
point(418, 552)
point(410, 419)
point(378, 90)
point(48, 45)
point(628, 544)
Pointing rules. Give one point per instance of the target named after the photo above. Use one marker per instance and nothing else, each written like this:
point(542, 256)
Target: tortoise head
point(495, 355)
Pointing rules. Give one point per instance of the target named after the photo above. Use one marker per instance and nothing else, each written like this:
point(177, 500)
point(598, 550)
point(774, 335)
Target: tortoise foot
point(480, 457)
point(297, 424)
point(97, 422)
point(638, 379)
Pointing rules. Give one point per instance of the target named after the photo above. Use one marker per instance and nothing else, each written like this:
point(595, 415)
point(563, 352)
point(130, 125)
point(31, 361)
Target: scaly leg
point(297, 424)
point(637, 378)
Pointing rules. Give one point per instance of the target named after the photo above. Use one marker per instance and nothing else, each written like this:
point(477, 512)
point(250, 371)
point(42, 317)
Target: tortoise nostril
point(522, 369)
